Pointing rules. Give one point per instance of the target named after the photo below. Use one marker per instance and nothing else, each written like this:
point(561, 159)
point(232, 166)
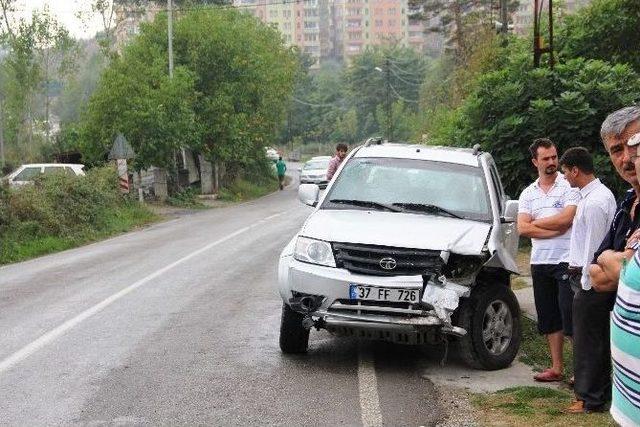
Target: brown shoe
point(576, 407)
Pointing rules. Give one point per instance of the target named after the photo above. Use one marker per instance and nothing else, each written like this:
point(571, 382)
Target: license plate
point(375, 293)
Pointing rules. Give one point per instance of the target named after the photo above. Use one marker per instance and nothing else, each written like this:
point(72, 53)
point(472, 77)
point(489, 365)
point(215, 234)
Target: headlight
point(314, 252)
point(463, 268)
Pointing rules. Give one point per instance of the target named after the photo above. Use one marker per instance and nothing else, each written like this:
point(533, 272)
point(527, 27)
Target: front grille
point(366, 259)
point(375, 307)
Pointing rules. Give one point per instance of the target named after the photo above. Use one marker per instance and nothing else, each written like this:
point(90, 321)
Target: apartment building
point(340, 29)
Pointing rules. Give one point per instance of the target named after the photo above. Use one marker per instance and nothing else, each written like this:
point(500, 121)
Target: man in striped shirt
point(546, 211)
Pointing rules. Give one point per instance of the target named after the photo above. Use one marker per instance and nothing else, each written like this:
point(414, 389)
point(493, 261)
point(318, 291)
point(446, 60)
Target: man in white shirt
point(596, 210)
point(546, 211)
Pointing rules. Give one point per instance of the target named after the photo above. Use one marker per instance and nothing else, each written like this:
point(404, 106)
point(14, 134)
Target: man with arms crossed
point(334, 163)
point(546, 211)
point(594, 216)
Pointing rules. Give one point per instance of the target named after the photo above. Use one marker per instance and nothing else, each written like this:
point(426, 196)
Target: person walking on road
point(545, 214)
point(334, 163)
point(281, 168)
point(594, 216)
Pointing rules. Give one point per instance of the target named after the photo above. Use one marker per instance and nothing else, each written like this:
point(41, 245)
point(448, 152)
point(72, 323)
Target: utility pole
point(538, 41)
point(504, 17)
point(2, 159)
point(170, 31)
point(388, 101)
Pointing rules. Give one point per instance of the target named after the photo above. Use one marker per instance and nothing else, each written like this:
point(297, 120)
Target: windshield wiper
point(367, 204)
point(422, 207)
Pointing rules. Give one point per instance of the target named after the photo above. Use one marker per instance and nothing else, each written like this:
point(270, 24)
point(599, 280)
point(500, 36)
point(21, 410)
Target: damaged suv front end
point(405, 244)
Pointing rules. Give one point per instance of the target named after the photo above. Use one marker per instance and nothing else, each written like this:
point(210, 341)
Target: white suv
point(409, 244)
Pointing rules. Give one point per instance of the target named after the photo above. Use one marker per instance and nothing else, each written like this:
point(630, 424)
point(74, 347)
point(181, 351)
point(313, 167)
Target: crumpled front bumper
point(336, 310)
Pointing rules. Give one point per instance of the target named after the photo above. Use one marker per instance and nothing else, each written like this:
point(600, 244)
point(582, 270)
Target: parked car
point(315, 172)
point(25, 174)
point(272, 154)
point(409, 244)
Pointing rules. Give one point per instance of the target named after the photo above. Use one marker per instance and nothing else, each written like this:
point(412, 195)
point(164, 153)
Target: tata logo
point(388, 263)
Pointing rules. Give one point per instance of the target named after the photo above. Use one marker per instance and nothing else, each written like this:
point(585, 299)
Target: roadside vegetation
point(525, 406)
point(61, 212)
point(517, 405)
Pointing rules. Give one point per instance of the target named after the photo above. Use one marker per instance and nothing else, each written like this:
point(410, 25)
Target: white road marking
point(52, 335)
point(368, 388)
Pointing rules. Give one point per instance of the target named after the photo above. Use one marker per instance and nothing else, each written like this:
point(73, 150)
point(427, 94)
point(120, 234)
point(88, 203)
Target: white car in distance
point(315, 172)
point(25, 174)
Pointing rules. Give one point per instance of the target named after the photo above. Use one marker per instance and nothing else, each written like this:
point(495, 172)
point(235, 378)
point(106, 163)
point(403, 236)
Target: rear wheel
point(294, 338)
point(491, 317)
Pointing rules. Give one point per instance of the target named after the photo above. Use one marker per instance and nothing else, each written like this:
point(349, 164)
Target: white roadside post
point(121, 152)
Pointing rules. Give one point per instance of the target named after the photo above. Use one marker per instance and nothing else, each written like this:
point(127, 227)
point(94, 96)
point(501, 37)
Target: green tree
point(225, 100)
point(515, 104)
point(606, 29)
point(40, 56)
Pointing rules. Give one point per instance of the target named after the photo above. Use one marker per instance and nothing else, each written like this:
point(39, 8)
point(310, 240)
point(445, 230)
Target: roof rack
point(374, 140)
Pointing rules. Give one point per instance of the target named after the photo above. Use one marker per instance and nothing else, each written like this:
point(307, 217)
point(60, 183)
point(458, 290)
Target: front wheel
point(491, 317)
point(294, 338)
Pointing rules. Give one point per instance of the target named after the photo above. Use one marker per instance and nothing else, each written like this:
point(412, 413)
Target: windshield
point(318, 164)
point(445, 189)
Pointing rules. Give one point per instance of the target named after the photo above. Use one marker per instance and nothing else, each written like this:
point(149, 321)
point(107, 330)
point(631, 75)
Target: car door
point(508, 230)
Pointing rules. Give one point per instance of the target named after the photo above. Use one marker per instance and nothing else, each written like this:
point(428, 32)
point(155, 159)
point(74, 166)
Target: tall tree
point(40, 53)
point(225, 100)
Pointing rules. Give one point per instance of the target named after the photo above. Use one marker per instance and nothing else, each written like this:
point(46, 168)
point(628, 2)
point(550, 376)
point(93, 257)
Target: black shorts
point(553, 298)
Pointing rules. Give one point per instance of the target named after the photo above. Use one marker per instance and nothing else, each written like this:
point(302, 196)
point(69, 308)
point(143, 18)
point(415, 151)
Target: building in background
point(523, 16)
point(340, 29)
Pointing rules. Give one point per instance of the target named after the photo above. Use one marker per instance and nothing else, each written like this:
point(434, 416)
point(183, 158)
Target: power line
point(299, 101)
point(402, 97)
point(405, 81)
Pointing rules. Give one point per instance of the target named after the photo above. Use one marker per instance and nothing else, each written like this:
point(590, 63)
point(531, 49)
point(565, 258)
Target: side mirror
point(308, 194)
point(510, 211)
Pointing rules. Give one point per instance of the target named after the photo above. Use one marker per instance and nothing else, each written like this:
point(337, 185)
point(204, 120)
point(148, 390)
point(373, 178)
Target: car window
point(55, 170)
point(320, 164)
point(458, 188)
point(27, 174)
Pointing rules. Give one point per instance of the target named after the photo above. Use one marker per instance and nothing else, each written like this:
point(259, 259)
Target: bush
point(62, 211)
point(515, 104)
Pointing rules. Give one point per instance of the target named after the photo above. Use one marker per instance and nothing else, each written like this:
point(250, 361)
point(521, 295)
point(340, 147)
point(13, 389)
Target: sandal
point(547, 376)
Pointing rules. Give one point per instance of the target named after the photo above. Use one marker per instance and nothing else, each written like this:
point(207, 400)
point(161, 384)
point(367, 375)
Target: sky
point(65, 11)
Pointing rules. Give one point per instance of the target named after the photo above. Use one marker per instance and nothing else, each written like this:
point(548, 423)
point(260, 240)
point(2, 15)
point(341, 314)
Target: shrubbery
point(64, 211)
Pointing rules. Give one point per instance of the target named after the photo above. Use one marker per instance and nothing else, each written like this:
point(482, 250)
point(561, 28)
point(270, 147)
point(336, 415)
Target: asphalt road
point(178, 324)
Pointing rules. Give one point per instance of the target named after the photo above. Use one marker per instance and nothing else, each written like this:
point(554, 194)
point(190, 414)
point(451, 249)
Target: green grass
point(243, 190)
point(187, 198)
point(528, 405)
point(17, 247)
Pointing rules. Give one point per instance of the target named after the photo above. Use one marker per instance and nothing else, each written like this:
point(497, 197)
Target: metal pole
point(536, 35)
point(551, 58)
point(170, 31)
point(504, 17)
point(389, 107)
point(2, 159)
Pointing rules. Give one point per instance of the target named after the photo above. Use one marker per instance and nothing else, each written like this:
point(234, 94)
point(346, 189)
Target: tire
point(294, 338)
point(492, 311)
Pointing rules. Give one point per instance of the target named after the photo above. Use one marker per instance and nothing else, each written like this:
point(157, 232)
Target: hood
point(314, 171)
point(403, 230)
